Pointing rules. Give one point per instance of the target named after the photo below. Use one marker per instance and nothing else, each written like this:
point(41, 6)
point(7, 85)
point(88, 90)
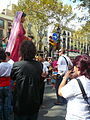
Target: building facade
point(5, 24)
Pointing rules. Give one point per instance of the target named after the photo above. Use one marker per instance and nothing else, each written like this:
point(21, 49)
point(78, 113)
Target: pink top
point(54, 64)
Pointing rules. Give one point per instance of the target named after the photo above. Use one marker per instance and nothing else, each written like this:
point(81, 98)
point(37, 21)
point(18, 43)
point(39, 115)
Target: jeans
point(60, 99)
point(5, 103)
point(22, 117)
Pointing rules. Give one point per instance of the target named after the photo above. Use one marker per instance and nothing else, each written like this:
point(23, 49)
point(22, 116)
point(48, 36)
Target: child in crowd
point(54, 77)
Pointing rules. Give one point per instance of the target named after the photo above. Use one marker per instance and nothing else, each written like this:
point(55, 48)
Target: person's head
point(23, 17)
point(7, 56)
point(46, 59)
point(27, 50)
point(2, 55)
point(31, 37)
point(40, 58)
point(61, 51)
point(82, 65)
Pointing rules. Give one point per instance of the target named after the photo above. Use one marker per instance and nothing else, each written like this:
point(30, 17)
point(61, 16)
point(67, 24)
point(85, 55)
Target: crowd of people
point(23, 76)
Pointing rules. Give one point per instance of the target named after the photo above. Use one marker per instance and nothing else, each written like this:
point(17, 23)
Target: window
point(1, 23)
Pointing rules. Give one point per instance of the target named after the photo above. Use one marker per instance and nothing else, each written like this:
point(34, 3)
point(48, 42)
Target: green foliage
point(83, 35)
point(42, 13)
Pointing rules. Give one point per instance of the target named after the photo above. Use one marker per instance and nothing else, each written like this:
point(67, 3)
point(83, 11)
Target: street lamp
point(64, 39)
point(40, 41)
point(68, 43)
point(58, 33)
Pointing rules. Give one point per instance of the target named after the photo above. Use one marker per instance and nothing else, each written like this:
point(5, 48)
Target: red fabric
point(15, 53)
point(14, 32)
point(4, 81)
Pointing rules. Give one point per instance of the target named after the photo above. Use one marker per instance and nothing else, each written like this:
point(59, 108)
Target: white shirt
point(11, 61)
point(62, 65)
point(46, 63)
point(77, 106)
point(5, 69)
point(45, 69)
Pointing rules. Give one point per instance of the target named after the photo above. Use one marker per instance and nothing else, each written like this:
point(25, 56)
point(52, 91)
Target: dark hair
point(32, 37)
point(27, 50)
point(7, 53)
point(23, 15)
point(2, 54)
point(83, 63)
point(46, 59)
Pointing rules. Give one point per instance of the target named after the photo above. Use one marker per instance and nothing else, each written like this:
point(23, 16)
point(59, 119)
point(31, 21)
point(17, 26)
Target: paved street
point(49, 111)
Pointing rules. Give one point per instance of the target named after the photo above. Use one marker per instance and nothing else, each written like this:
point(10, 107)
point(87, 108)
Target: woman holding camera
point(78, 108)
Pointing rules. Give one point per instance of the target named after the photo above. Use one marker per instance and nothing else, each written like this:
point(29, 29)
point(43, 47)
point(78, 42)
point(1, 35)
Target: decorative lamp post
point(40, 41)
point(58, 33)
point(68, 43)
point(64, 39)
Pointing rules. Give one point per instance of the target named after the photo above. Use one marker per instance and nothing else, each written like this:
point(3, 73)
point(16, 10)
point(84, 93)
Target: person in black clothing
point(27, 74)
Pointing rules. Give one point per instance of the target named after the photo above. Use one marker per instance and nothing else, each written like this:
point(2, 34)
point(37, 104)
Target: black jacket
point(27, 75)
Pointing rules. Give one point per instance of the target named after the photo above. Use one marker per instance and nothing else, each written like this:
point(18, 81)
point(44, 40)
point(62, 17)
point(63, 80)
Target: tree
point(84, 32)
point(82, 36)
point(42, 13)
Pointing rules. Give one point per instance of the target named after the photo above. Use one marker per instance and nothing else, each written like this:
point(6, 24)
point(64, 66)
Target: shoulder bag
point(69, 66)
point(83, 92)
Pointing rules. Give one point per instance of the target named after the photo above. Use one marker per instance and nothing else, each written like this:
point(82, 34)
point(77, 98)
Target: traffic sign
point(55, 36)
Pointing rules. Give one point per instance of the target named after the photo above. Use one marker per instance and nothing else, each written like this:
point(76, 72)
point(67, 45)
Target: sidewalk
point(49, 111)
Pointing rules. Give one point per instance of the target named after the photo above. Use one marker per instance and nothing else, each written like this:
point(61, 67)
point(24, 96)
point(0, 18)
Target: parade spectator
point(54, 77)
point(27, 74)
point(4, 44)
point(5, 91)
point(12, 83)
point(63, 65)
point(54, 63)
point(44, 77)
point(31, 37)
point(78, 108)
point(47, 64)
point(17, 35)
point(8, 58)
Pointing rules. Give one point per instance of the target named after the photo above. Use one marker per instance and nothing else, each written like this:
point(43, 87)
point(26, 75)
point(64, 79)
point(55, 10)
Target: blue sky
point(70, 2)
point(4, 3)
point(67, 2)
